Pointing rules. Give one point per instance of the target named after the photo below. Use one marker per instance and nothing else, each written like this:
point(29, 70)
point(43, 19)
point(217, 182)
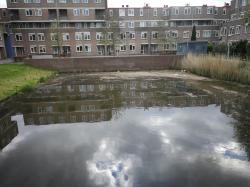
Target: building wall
point(101, 64)
point(68, 18)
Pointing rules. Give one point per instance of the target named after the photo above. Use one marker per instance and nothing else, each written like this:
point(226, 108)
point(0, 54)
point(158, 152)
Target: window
point(141, 12)
point(206, 34)
point(197, 10)
point(215, 33)
point(165, 12)
point(132, 35)
point(110, 35)
point(32, 37)
point(76, 1)
point(237, 29)
point(36, 1)
point(121, 12)
point(231, 31)
point(1, 37)
point(143, 23)
point(33, 49)
point(78, 25)
point(153, 24)
point(144, 35)
point(122, 24)
point(42, 49)
point(99, 36)
point(62, 1)
point(65, 36)
point(19, 37)
point(130, 12)
point(123, 47)
point(76, 12)
point(123, 36)
point(53, 36)
point(173, 34)
point(155, 35)
point(132, 47)
point(85, 12)
point(87, 48)
point(86, 36)
point(50, 1)
point(13, 1)
point(131, 24)
point(85, 1)
point(79, 48)
point(78, 36)
point(198, 34)
point(209, 10)
point(38, 12)
point(98, 1)
point(155, 12)
point(224, 11)
point(28, 12)
point(187, 10)
point(111, 13)
point(40, 37)
point(176, 11)
point(27, 1)
point(216, 10)
point(186, 34)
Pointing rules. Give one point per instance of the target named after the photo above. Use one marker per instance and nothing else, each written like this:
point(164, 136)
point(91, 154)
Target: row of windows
point(39, 12)
point(87, 48)
point(59, 1)
point(235, 30)
point(109, 36)
point(166, 12)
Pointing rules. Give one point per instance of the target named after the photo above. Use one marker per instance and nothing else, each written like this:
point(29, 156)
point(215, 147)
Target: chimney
point(127, 6)
point(122, 6)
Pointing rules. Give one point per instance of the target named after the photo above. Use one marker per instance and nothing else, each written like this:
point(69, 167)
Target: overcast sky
point(155, 3)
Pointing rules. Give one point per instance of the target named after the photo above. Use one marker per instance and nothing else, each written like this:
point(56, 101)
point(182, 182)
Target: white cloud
point(2, 3)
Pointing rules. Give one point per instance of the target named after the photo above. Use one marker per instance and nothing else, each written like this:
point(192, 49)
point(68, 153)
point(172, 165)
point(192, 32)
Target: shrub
point(210, 48)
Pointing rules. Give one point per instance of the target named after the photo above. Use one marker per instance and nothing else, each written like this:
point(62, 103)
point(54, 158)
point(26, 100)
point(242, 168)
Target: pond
point(142, 132)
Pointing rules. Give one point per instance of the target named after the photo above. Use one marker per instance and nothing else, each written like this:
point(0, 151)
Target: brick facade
point(89, 28)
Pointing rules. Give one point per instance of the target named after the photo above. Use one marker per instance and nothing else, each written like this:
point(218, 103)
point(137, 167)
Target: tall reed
point(218, 67)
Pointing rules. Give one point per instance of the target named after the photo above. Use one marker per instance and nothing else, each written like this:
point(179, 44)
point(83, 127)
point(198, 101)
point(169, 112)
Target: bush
point(248, 50)
point(27, 88)
point(220, 49)
point(210, 48)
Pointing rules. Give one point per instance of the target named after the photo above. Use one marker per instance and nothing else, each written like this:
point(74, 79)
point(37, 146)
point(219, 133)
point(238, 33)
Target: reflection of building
point(67, 111)
point(8, 130)
point(94, 100)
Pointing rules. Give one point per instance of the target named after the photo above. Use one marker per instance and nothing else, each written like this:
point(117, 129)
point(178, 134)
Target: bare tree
point(111, 37)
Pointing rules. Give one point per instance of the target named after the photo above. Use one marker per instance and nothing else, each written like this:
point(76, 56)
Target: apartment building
point(89, 28)
point(3, 36)
point(237, 27)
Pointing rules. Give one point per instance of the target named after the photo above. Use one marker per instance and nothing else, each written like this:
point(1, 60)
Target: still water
point(142, 132)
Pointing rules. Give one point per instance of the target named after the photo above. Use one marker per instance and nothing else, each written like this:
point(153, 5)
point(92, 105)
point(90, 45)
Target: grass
point(218, 67)
point(20, 78)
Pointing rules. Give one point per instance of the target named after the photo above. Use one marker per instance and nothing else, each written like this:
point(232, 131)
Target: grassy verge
point(19, 78)
point(218, 67)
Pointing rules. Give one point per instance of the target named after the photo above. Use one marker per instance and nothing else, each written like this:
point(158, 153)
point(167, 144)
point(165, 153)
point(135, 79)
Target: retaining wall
point(102, 64)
